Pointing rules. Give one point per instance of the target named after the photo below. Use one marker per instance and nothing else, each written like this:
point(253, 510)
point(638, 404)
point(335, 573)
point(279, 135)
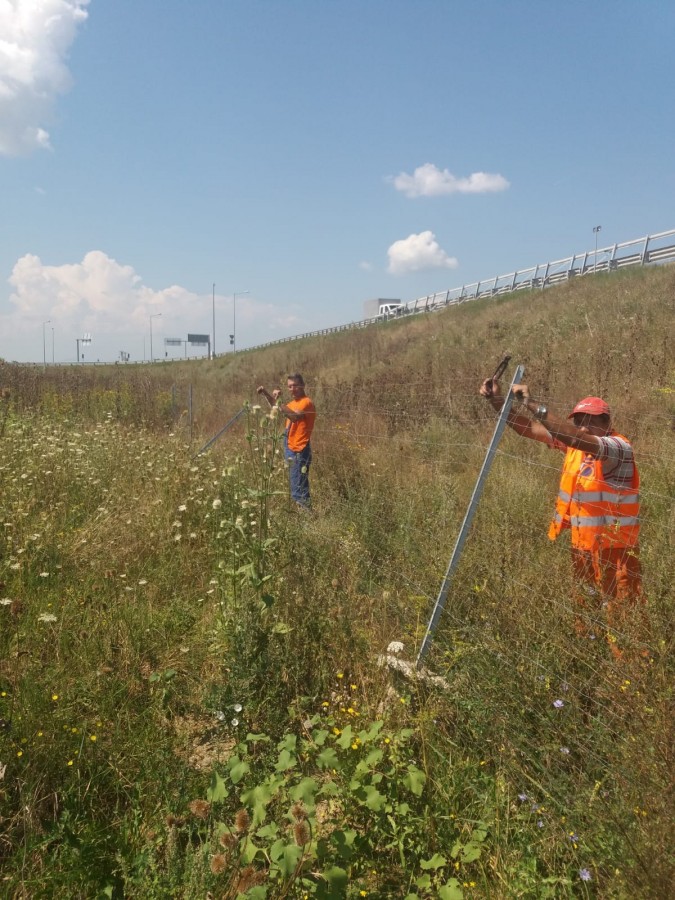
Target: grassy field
point(191, 698)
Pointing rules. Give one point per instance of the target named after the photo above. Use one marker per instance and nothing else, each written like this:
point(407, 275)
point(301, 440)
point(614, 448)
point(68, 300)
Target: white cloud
point(429, 181)
point(365, 266)
point(35, 38)
point(110, 300)
point(417, 252)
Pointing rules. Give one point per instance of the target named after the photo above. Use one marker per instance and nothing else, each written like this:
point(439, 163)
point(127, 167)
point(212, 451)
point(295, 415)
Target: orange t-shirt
point(300, 432)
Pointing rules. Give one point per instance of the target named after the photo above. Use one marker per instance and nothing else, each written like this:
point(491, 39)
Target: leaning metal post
point(473, 503)
point(222, 431)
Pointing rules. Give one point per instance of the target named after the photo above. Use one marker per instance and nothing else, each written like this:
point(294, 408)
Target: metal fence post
point(473, 503)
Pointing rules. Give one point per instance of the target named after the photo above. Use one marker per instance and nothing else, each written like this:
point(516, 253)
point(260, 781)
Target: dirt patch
point(201, 743)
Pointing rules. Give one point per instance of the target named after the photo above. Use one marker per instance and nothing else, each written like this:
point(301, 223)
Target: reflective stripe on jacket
point(598, 513)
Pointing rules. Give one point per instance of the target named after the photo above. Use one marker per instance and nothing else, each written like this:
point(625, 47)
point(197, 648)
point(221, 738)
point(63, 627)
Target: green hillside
point(192, 701)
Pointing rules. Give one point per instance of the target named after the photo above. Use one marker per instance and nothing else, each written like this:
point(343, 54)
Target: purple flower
point(573, 837)
point(522, 797)
point(558, 704)
point(534, 807)
point(540, 823)
point(585, 875)
point(565, 750)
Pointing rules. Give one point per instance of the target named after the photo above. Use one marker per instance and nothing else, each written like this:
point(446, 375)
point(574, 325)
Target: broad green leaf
point(217, 791)
point(451, 891)
point(328, 759)
point(424, 881)
point(238, 770)
point(249, 852)
point(344, 843)
point(320, 736)
point(268, 831)
point(289, 859)
point(286, 761)
point(257, 738)
point(366, 736)
point(336, 878)
point(415, 780)
point(304, 791)
point(346, 738)
point(436, 862)
point(470, 852)
point(288, 742)
point(374, 799)
point(259, 892)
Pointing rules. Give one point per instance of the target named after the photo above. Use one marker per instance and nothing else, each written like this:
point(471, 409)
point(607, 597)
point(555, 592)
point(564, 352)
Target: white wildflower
point(395, 647)
point(46, 617)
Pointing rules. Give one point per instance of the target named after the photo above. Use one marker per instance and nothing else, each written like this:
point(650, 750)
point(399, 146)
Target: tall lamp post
point(44, 345)
point(213, 309)
point(234, 320)
point(596, 229)
point(154, 316)
point(52, 345)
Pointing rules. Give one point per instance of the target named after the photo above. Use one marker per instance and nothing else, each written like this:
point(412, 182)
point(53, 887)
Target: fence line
point(648, 250)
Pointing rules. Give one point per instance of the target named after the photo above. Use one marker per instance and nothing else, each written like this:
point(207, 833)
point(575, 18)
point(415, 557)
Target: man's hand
point(490, 389)
point(521, 392)
point(276, 394)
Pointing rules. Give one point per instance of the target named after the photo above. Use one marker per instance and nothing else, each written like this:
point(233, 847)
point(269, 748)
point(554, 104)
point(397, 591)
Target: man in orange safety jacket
point(598, 498)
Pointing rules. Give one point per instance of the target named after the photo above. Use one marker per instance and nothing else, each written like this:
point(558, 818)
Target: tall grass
point(178, 643)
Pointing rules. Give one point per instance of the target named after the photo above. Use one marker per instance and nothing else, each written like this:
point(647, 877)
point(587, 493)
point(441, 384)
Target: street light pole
point(596, 229)
point(213, 308)
point(44, 346)
point(234, 320)
point(154, 316)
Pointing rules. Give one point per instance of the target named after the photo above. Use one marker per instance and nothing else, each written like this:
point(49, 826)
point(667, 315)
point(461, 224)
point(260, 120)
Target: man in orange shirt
point(300, 416)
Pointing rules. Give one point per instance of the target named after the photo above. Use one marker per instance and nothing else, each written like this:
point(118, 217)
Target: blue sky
point(314, 153)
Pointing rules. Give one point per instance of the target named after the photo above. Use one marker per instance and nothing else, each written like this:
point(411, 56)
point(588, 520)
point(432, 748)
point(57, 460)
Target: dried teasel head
point(298, 812)
point(218, 863)
point(301, 833)
point(175, 821)
point(228, 840)
point(242, 820)
point(250, 876)
point(200, 808)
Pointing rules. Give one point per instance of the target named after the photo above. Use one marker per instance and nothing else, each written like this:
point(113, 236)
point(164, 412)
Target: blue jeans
point(298, 470)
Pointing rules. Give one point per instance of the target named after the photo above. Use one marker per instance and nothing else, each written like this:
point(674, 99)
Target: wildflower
point(143, 581)
point(92, 737)
point(522, 797)
point(395, 647)
point(55, 697)
point(227, 840)
point(5, 601)
point(235, 722)
point(585, 875)
point(237, 707)
point(182, 507)
point(44, 574)
point(340, 675)
point(363, 893)
point(217, 503)
point(540, 823)
point(20, 753)
point(47, 617)
point(70, 762)
point(325, 703)
point(298, 811)
point(220, 715)
point(558, 704)
point(353, 687)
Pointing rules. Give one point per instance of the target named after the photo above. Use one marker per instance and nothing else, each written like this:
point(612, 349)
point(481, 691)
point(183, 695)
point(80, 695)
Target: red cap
point(591, 406)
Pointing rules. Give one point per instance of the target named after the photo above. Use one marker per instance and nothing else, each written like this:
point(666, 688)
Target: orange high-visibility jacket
point(598, 514)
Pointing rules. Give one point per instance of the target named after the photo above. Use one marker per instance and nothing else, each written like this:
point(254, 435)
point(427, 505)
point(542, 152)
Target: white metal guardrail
point(654, 248)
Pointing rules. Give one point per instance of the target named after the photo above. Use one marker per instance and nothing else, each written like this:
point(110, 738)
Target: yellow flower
point(363, 893)
point(55, 696)
point(350, 711)
point(70, 762)
point(340, 675)
point(353, 687)
point(40, 734)
point(325, 703)
point(20, 753)
point(92, 737)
